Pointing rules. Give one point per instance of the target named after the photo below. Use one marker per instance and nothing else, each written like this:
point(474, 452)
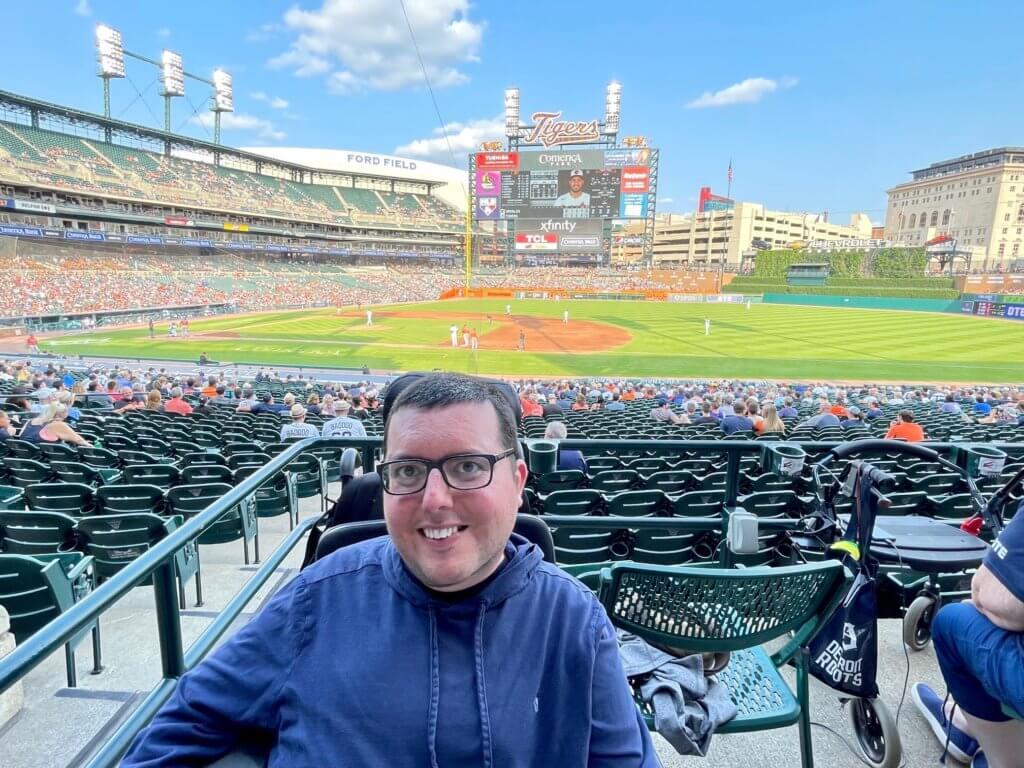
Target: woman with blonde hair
point(50, 427)
point(771, 423)
point(327, 406)
point(581, 403)
point(68, 398)
point(154, 400)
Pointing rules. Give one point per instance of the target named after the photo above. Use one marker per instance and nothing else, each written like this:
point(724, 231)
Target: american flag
point(729, 174)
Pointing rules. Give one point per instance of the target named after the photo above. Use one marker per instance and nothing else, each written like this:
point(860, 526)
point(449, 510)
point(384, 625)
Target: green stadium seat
point(36, 590)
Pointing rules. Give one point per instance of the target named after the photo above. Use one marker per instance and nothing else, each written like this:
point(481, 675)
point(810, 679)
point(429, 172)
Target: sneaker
point(961, 746)
point(979, 761)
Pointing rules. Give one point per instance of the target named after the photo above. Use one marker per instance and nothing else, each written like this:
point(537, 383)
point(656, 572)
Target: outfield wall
point(589, 293)
point(864, 302)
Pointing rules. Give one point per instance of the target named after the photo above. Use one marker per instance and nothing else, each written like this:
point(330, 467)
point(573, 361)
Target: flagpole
point(728, 190)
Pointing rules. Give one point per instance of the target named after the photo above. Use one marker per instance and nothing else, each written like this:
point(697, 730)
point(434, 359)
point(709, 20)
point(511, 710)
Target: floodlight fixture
point(223, 93)
point(612, 107)
point(172, 73)
point(512, 113)
point(109, 51)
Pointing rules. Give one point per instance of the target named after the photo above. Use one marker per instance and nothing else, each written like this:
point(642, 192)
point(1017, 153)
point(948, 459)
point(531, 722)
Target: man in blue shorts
point(980, 648)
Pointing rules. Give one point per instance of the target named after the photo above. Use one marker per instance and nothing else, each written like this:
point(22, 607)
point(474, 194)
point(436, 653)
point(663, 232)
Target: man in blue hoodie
point(449, 642)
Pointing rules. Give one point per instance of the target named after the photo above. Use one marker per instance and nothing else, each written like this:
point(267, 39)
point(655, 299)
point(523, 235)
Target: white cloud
point(463, 137)
point(263, 33)
point(163, 32)
point(83, 8)
point(664, 200)
point(274, 102)
point(750, 91)
point(237, 121)
point(366, 45)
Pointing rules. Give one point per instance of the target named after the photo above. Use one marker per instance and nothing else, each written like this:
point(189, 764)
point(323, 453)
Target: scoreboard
point(993, 309)
point(564, 203)
point(564, 184)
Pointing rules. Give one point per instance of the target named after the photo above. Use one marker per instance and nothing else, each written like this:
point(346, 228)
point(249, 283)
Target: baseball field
point(601, 338)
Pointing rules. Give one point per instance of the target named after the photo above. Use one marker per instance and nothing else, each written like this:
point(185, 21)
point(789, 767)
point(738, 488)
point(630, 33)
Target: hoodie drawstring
point(435, 690)
point(481, 688)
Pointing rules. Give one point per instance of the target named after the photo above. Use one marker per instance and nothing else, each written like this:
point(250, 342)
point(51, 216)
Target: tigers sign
point(548, 130)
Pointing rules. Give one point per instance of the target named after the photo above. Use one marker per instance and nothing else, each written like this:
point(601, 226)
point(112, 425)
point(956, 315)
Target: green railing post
point(168, 620)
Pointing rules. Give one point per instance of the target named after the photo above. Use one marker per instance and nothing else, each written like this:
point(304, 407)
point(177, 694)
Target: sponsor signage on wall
point(29, 206)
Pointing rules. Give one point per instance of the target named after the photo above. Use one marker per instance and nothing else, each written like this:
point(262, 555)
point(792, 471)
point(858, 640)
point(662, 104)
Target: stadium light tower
point(110, 55)
point(612, 108)
point(223, 99)
point(172, 73)
point(512, 115)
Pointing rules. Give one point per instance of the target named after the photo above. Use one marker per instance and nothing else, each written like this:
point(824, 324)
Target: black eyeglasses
point(463, 472)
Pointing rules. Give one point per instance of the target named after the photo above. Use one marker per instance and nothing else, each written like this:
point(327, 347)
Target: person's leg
point(1002, 743)
point(983, 667)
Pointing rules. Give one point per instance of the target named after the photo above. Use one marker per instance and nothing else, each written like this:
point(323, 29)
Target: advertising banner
point(497, 161)
point(536, 241)
point(76, 234)
point(29, 206)
point(15, 231)
point(565, 235)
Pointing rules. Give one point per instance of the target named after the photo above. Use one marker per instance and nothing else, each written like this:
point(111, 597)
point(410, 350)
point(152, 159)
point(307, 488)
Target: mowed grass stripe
point(767, 341)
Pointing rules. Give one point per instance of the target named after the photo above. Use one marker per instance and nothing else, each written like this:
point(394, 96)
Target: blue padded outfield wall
point(971, 304)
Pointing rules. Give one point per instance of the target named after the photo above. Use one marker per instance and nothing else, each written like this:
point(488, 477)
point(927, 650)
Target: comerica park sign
point(548, 130)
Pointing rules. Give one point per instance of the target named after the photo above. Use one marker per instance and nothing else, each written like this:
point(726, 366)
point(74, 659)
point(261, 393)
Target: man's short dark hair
point(444, 389)
point(739, 407)
point(907, 416)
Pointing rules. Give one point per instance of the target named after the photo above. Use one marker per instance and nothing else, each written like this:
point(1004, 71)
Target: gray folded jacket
point(688, 706)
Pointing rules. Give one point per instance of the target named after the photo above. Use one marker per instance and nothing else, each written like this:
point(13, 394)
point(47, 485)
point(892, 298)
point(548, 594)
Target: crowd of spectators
point(55, 395)
point(54, 284)
point(767, 407)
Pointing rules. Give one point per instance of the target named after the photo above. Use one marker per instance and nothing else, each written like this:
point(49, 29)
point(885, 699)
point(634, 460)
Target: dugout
point(809, 273)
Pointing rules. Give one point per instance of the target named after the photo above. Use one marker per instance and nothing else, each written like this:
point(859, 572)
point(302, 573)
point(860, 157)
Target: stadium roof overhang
point(167, 142)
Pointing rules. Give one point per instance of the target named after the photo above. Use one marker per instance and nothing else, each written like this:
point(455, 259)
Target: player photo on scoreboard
point(585, 193)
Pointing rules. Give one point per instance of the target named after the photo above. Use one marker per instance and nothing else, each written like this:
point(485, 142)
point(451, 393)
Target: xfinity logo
point(551, 225)
point(560, 159)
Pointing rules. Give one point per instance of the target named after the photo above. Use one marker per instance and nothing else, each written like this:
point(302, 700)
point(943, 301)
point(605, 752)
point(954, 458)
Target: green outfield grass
point(667, 340)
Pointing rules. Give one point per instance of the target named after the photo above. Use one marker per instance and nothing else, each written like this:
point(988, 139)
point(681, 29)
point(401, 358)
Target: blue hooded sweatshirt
point(353, 665)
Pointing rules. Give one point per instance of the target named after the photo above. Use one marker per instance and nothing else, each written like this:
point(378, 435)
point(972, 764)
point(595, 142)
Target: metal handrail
point(157, 563)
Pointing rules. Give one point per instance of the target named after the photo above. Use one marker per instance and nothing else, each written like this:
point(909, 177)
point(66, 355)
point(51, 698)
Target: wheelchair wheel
point(917, 622)
point(876, 733)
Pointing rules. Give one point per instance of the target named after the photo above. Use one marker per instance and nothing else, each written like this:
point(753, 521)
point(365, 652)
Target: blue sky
point(820, 106)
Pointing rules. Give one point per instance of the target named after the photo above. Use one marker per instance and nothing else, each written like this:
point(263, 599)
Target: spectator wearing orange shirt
point(904, 428)
point(530, 405)
point(839, 409)
point(210, 390)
